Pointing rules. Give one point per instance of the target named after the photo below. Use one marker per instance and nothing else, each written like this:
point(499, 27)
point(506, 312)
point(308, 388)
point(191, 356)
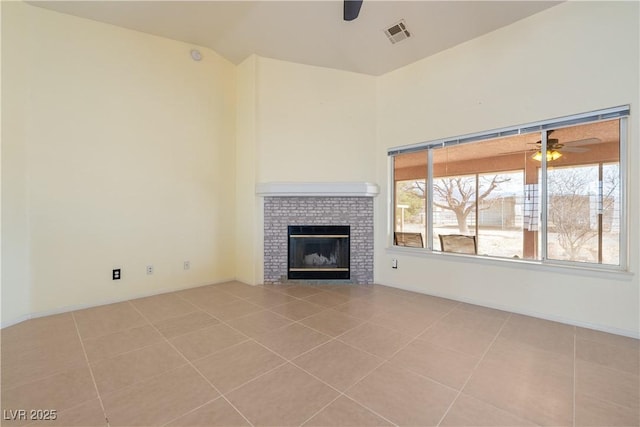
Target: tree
point(570, 205)
point(407, 194)
point(458, 194)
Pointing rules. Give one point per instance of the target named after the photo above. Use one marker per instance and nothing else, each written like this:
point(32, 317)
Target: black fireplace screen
point(319, 252)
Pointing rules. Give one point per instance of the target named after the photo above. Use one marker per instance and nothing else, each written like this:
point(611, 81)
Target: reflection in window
point(479, 190)
point(491, 189)
point(410, 172)
point(584, 195)
point(500, 214)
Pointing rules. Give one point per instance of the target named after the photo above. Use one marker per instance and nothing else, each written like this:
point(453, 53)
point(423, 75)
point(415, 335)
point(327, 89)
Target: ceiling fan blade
point(574, 149)
point(351, 9)
point(581, 142)
point(519, 152)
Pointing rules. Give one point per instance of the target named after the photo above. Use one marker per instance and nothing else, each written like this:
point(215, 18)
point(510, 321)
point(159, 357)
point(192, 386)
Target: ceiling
point(599, 142)
point(310, 32)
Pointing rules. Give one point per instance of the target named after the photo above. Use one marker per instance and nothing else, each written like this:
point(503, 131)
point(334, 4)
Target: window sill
point(523, 264)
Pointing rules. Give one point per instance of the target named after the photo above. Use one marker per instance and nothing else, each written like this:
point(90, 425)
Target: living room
point(130, 148)
point(120, 151)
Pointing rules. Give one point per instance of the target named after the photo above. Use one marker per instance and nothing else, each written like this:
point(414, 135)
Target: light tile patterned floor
point(343, 355)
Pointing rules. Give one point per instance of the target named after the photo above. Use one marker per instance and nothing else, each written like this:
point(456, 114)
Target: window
point(550, 192)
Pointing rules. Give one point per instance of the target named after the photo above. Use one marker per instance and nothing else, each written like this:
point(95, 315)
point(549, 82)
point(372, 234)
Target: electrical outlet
point(187, 265)
point(115, 274)
point(394, 263)
point(149, 269)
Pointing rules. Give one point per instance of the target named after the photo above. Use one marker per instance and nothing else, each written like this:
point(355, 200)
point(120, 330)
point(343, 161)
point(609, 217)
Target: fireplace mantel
point(317, 189)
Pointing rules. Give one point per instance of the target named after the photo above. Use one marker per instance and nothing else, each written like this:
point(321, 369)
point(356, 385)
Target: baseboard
point(15, 321)
point(69, 308)
point(588, 325)
point(560, 319)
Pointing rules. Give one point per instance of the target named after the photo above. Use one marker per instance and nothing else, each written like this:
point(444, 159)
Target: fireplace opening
point(319, 252)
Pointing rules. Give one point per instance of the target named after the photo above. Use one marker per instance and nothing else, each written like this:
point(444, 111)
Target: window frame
point(621, 113)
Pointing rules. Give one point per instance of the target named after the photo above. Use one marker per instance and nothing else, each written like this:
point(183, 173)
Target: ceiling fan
point(555, 148)
point(351, 9)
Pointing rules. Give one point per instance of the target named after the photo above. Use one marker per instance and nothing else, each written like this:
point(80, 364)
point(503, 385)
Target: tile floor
point(236, 355)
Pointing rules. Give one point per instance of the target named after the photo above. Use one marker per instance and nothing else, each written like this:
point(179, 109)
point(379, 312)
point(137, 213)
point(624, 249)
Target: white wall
point(15, 226)
point(248, 248)
point(314, 124)
point(127, 153)
point(118, 150)
point(297, 123)
point(572, 58)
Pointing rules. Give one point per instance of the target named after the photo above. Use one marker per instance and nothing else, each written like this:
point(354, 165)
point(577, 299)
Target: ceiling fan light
point(551, 155)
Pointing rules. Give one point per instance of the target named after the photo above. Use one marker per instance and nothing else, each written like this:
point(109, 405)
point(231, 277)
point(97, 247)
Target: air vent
point(397, 32)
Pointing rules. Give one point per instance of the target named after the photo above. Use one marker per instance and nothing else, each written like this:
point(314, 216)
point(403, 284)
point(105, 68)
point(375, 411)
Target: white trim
point(15, 321)
point(533, 127)
point(317, 189)
point(560, 319)
point(543, 201)
point(69, 308)
point(590, 270)
point(543, 127)
point(623, 165)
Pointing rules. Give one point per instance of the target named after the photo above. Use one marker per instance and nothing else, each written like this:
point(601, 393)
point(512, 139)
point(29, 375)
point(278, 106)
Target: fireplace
point(317, 204)
point(319, 252)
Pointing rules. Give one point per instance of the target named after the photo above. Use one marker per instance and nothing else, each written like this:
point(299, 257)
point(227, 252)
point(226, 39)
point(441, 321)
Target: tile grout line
point(197, 359)
point(93, 378)
point(290, 361)
point(617, 404)
point(474, 369)
point(304, 299)
point(192, 366)
point(161, 335)
point(257, 376)
point(161, 373)
point(342, 393)
point(126, 352)
point(613, 368)
point(193, 410)
point(416, 338)
point(286, 360)
point(198, 308)
point(269, 309)
point(384, 360)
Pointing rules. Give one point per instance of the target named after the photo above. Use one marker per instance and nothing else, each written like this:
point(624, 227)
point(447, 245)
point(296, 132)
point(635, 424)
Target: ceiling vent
point(397, 32)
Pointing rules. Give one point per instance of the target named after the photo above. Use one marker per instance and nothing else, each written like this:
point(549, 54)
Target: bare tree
point(458, 194)
point(570, 206)
point(570, 217)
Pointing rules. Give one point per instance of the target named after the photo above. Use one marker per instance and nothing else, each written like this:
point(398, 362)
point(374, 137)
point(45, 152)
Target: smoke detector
point(196, 55)
point(397, 32)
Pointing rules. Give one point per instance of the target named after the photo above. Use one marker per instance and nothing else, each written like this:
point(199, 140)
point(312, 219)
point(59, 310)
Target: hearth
point(319, 252)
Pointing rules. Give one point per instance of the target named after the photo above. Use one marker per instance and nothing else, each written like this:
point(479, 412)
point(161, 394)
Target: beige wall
point(297, 123)
point(119, 150)
point(125, 148)
point(314, 124)
point(573, 58)
point(15, 225)
point(248, 240)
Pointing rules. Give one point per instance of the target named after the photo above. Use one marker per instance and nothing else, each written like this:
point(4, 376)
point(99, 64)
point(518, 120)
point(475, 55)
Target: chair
point(413, 240)
point(458, 243)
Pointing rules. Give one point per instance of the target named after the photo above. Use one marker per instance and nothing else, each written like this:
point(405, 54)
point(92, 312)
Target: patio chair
point(458, 243)
point(413, 240)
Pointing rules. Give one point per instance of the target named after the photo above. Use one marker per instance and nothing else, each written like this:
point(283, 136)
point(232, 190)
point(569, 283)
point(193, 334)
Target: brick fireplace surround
point(318, 204)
